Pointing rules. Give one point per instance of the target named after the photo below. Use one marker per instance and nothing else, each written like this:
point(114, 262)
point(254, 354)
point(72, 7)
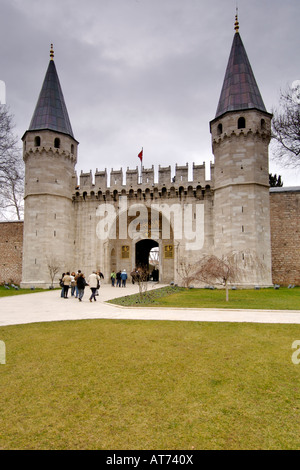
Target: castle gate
point(130, 249)
point(142, 252)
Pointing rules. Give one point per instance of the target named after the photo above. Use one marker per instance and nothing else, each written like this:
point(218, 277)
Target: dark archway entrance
point(142, 250)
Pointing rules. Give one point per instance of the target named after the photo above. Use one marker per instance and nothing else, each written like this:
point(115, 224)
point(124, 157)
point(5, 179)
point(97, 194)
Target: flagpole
point(141, 178)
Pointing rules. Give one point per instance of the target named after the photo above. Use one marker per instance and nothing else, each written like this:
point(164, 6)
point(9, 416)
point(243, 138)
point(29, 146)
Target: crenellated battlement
point(250, 124)
point(50, 152)
point(89, 184)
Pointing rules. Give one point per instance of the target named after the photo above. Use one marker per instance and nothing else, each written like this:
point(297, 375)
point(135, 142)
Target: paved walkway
point(49, 306)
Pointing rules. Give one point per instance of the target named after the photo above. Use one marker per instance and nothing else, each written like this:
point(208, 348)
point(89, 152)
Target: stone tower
point(240, 138)
point(50, 155)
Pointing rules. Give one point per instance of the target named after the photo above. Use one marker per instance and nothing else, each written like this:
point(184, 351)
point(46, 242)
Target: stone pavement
point(49, 306)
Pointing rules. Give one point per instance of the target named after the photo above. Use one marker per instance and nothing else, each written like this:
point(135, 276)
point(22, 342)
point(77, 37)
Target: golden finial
point(51, 53)
point(236, 24)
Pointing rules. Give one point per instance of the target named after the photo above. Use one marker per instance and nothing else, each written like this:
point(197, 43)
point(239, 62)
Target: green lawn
point(113, 384)
point(12, 291)
point(270, 298)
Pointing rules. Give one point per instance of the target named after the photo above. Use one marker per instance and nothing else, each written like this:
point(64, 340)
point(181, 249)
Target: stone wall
point(285, 240)
point(285, 235)
point(11, 248)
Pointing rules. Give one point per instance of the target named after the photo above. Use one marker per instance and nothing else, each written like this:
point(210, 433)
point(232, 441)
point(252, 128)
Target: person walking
point(81, 283)
point(124, 277)
point(93, 282)
point(61, 283)
point(113, 278)
point(76, 288)
point(118, 277)
point(99, 273)
point(67, 281)
point(73, 284)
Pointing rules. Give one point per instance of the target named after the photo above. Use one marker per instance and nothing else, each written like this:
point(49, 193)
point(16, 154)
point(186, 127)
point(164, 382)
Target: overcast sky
point(144, 73)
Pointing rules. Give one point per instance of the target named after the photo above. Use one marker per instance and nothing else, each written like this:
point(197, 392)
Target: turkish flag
point(140, 155)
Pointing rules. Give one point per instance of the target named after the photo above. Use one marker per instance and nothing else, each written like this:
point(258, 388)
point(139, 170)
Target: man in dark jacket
point(118, 277)
point(81, 283)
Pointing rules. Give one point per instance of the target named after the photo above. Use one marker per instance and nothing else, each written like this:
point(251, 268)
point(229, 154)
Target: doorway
point(147, 256)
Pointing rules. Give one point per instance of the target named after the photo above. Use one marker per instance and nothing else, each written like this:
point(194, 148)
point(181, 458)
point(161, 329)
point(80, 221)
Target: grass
point(269, 298)
point(12, 291)
point(113, 384)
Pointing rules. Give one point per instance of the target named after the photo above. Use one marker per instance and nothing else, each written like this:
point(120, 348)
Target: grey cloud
point(142, 72)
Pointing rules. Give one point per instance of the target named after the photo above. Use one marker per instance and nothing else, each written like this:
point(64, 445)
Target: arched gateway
point(142, 252)
point(133, 234)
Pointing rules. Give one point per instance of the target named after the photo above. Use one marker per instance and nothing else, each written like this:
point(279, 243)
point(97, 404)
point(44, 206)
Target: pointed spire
point(51, 111)
point(240, 90)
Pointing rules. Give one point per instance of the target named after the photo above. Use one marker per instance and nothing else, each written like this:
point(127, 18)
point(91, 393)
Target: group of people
point(77, 283)
point(138, 274)
point(119, 279)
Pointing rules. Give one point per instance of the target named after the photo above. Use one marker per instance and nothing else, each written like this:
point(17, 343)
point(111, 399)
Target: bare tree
point(12, 192)
point(53, 268)
point(141, 277)
point(218, 271)
point(188, 272)
point(11, 167)
point(274, 181)
point(8, 141)
point(286, 128)
point(230, 268)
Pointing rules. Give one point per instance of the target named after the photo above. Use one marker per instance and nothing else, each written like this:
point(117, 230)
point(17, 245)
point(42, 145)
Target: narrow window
point(219, 129)
point(72, 148)
point(57, 143)
point(263, 124)
point(241, 123)
point(37, 141)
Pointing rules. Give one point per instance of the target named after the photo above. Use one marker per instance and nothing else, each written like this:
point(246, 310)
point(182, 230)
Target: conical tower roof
point(240, 90)
point(51, 111)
